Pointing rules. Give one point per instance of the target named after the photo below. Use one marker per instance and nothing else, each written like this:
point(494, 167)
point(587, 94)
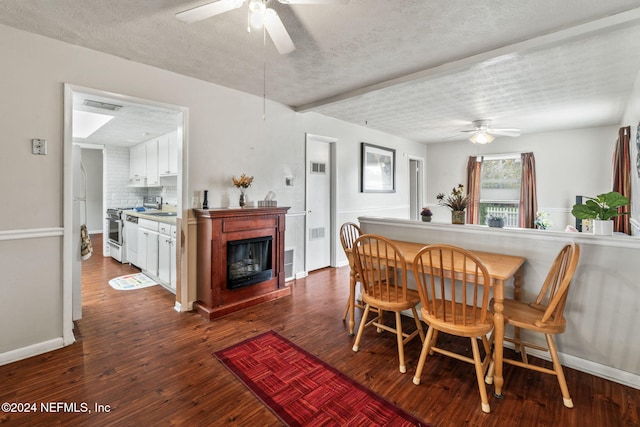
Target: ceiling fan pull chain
point(264, 73)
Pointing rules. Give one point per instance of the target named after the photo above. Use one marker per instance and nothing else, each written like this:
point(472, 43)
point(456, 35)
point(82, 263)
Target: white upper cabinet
point(168, 154)
point(153, 177)
point(150, 160)
point(138, 164)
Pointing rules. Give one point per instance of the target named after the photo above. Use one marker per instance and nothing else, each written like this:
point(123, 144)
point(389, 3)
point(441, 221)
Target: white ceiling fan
point(483, 133)
point(259, 15)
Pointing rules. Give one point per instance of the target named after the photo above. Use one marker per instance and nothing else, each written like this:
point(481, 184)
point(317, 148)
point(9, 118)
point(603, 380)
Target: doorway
point(320, 202)
point(127, 121)
point(415, 187)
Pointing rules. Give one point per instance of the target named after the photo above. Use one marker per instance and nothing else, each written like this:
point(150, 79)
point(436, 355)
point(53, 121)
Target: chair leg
point(418, 323)
point(557, 367)
point(403, 366)
point(489, 377)
point(479, 375)
point(426, 346)
point(380, 320)
point(346, 310)
point(361, 327)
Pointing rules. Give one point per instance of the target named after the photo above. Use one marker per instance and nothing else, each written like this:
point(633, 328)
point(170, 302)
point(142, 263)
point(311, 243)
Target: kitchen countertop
point(148, 214)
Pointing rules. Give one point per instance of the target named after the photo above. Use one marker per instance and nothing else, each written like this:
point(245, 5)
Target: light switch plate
point(39, 146)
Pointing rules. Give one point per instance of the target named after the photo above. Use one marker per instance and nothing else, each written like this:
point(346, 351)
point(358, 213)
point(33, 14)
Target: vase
point(495, 222)
point(426, 218)
point(205, 203)
point(457, 217)
point(242, 200)
point(603, 227)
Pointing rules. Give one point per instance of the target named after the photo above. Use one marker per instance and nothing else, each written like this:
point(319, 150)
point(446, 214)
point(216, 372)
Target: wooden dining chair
point(545, 315)
point(453, 285)
point(382, 271)
point(349, 232)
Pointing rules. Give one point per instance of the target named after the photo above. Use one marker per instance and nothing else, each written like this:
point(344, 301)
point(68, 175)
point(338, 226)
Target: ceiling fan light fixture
point(482, 137)
point(256, 20)
point(257, 6)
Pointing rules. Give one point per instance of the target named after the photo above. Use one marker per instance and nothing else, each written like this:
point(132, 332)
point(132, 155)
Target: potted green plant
point(457, 201)
point(601, 210)
point(426, 214)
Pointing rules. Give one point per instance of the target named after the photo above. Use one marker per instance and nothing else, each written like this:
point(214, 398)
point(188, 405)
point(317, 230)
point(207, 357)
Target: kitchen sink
point(162, 213)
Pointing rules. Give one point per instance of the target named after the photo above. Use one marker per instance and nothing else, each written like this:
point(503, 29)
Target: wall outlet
point(39, 146)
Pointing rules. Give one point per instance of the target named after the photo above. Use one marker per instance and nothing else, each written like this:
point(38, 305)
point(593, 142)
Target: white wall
point(92, 161)
point(351, 202)
point(568, 163)
point(226, 136)
point(631, 118)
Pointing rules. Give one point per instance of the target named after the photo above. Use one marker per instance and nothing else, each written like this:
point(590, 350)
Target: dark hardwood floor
point(149, 365)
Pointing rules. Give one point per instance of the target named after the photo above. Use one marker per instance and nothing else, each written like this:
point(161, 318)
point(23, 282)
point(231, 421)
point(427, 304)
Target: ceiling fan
point(259, 16)
point(483, 133)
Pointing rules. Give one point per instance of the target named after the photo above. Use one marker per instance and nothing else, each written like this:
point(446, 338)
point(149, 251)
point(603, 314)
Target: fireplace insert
point(248, 261)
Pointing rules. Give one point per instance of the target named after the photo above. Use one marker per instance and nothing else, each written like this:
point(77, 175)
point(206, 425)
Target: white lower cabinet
point(167, 256)
point(173, 276)
point(148, 246)
point(157, 251)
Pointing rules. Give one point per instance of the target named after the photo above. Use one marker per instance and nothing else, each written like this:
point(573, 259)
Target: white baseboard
point(607, 372)
point(301, 274)
point(30, 351)
point(177, 307)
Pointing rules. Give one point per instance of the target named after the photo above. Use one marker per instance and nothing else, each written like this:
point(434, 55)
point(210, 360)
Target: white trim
point(30, 351)
point(301, 274)
point(295, 214)
point(33, 233)
point(177, 307)
point(375, 209)
point(583, 365)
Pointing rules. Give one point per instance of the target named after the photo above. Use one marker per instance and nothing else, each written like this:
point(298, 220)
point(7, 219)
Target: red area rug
point(302, 390)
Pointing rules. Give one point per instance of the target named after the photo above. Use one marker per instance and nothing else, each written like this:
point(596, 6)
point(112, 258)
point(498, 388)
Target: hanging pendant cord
point(264, 73)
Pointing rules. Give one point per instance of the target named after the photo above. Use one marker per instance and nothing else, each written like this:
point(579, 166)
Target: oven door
point(115, 230)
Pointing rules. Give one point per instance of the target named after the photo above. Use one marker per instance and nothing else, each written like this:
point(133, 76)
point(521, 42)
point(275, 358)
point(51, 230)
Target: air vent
point(288, 264)
point(318, 167)
point(316, 233)
point(103, 105)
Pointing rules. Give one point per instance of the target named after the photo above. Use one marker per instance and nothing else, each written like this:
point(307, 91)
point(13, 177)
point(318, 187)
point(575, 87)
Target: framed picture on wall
point(377, 169)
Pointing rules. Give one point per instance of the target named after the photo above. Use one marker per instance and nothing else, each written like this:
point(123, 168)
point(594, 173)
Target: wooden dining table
point(501, 267)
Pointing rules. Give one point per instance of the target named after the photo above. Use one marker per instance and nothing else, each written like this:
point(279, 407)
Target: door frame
point(309, 137)
point(416, 186)
point(68, 241)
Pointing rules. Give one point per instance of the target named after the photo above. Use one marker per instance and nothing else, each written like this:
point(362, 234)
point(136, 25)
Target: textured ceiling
point(418, 69)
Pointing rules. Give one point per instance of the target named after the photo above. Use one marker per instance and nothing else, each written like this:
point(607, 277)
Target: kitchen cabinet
point(167, 256)
point(148, 239)
point(153, 177)
point(168, 154)
point(173, 277)
point(131, 238)
point(138, 165)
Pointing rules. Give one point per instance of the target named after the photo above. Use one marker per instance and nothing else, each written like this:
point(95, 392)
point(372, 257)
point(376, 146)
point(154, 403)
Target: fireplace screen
point(248, 261)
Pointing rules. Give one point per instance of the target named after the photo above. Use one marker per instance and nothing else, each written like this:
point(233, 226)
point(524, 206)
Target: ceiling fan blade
point(278, 32)
point(313, 1)
point(504, 132)
point(208, 10)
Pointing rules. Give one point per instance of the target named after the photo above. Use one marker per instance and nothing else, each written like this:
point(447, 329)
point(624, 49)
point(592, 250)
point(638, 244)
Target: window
point(500, 180)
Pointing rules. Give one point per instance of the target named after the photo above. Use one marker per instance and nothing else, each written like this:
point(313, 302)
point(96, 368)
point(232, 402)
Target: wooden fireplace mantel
point(216, 227)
